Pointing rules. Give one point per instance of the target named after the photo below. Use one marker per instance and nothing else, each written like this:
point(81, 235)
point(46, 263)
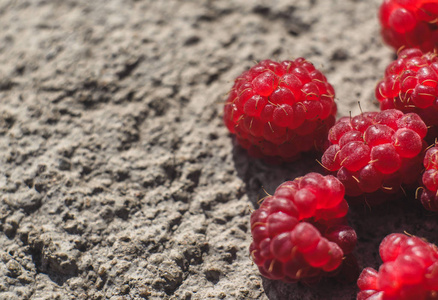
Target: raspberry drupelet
point(280, 109)
point(300, 232)
point(411, 85)
point(409, 271)
point(429, 192)
point(376, 151)
point(410, 23)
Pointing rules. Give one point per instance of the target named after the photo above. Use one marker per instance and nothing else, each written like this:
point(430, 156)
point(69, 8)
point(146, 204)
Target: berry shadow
point(372, 224)
point(261, 177)
point(327, 289)
point(403, 214)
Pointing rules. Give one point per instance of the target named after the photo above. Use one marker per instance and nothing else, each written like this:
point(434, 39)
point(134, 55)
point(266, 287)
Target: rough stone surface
point(118, 179)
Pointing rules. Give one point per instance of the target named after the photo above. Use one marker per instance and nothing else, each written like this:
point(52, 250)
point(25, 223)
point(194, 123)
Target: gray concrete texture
point(118, 179)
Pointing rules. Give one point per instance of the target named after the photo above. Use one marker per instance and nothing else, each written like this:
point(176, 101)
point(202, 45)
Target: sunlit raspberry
point(376, 151)
point(300, 233)
point(409, 271)
point(280, 109)
point(411, 85)
point(410, 23)
point(429, 192)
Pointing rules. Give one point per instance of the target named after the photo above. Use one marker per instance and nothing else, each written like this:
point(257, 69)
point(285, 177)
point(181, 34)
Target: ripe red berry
point(429, 194)
point(376, 151)
point(280, 109)
point(410, 23)
point(411, 85)
point(409, 271)
point(300, 232)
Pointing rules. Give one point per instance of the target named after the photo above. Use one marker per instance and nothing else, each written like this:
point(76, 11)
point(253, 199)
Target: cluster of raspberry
point(280, 110)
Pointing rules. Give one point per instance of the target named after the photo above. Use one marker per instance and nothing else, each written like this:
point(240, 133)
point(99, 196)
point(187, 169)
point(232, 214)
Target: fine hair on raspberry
point(300, 233)
point(376, 151)
point(409, 23)
point(429, 190)
point(280, 109)
point(409, 271)
point(410, 84)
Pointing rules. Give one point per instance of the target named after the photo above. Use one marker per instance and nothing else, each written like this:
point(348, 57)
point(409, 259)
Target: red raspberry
point(411, 85)
point(429, 195)
point(376, 150)
point(409, 271)
point(411, 23)
point(299, 233)
point(280, 109)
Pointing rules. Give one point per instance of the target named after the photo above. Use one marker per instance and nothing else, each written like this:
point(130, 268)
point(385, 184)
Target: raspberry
point(376, 151)
point(280, 109)
point(429, 195)
point(410, 23)
point(409, 271)
point(300, 232)
point(411, 85)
